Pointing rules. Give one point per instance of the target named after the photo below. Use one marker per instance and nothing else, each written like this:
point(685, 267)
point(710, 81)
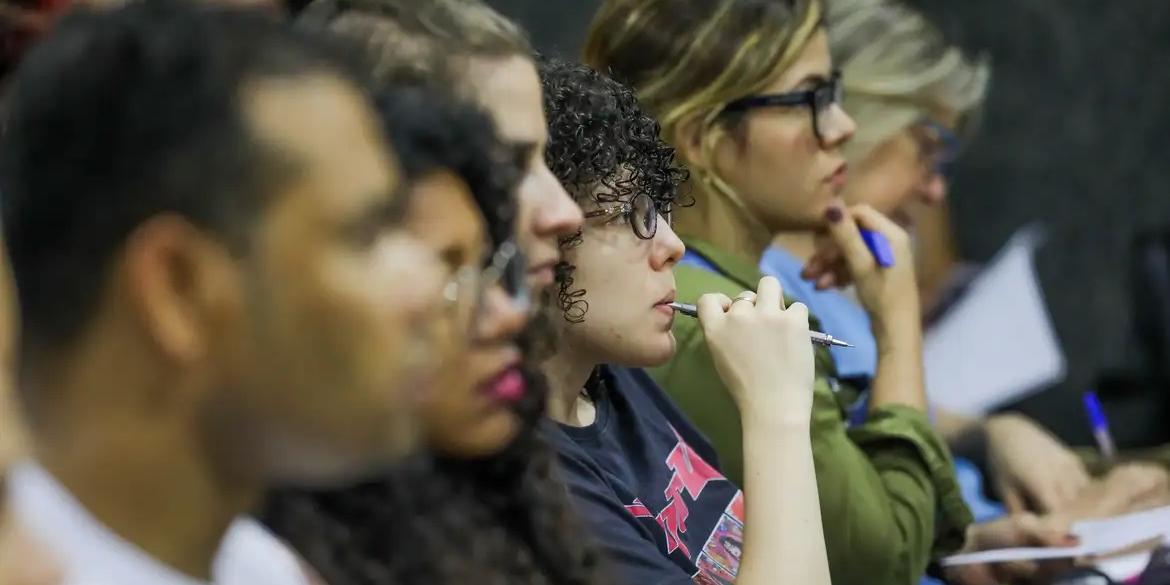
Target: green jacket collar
point(745, 273)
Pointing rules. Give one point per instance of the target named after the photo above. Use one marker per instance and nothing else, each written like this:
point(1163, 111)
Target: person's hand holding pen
point(1030, 468)
point(888, 290)
point(885, 285)
point(773, 382)
point(1129, 487)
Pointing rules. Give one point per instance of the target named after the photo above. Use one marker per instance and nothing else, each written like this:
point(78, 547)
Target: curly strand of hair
point(571, 302)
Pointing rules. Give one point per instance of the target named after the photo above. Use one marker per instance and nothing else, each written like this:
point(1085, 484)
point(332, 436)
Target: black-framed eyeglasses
point(641, 211)
point(819, 100)
point(468, 286)
point(938, 146)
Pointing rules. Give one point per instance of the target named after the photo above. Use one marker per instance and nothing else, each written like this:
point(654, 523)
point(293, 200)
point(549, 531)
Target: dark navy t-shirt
point(647, 484)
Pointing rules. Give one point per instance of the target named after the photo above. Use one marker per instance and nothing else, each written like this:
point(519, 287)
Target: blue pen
point(879, 246)
point(1100, 427)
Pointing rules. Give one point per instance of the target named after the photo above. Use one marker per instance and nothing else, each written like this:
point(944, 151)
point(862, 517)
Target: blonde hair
point(686, 59)
point(898, 68)
point(418, 38)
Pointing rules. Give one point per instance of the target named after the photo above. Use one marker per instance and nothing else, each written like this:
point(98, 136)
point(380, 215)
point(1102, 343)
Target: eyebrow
point(385, 208)
point(812, 79)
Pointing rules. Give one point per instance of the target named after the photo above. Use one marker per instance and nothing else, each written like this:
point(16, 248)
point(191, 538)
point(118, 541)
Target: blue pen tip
point(1096, 413)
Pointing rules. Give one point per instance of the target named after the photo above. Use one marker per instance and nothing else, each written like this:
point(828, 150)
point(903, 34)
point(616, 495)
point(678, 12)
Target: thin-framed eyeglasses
point(641, 211)
point(466, 290)
point(819, 100)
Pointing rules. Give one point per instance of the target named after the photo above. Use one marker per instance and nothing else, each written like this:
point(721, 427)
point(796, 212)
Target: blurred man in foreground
point(203, 222)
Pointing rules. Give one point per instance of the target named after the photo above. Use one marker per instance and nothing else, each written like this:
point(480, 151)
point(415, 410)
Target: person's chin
point(658, 352)
point(486, 437)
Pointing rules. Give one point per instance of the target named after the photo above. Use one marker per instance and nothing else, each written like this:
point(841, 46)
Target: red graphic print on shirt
point(718, 561)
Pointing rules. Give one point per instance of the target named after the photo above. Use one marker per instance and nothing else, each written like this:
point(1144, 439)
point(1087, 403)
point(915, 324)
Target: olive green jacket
point(889, 499)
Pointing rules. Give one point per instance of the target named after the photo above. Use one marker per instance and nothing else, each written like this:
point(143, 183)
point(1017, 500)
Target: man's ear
point(175, 275)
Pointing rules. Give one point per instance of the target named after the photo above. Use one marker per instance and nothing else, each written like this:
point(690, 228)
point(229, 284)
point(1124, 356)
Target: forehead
point(509, 89)
point(442, 209)
point(327, 127)
point(813, 60)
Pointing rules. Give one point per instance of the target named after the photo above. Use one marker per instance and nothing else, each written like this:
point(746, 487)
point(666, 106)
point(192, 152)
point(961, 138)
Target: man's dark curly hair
point(438, 520)
point(602, 145)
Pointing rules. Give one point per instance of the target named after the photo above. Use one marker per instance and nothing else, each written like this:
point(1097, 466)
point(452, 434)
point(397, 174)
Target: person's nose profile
point(558, 213)
point(842, 128)
point(668, 248)
point(503, 318)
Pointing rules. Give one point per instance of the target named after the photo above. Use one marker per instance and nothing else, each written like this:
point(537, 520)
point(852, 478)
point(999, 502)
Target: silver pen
point(816, 336)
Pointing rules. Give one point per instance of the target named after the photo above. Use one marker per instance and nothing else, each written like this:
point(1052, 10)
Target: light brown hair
point(897, 69)
point(687, 59)
point(419, 38)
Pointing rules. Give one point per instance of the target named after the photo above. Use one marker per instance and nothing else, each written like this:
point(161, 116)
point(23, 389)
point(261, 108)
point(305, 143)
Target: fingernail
point(833, 214)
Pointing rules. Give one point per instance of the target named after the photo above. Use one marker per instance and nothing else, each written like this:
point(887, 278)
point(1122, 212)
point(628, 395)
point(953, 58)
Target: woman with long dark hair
point(486, 507)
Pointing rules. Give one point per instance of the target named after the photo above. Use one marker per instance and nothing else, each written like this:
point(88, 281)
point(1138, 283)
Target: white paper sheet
point(1004, 555)
point(1097, 538)
point(997, 344)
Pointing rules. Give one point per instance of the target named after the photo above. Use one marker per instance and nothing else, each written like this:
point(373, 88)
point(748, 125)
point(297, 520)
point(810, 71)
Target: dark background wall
point(1076, 135)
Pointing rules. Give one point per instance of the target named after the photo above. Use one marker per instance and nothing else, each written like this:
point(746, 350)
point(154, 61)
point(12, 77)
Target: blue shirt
point(840, 315)
point(843, 318)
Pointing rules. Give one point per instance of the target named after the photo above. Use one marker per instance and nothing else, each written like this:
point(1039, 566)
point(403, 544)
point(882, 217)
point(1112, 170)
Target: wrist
point(776, 419)
point(902, 336)
point(897, 315)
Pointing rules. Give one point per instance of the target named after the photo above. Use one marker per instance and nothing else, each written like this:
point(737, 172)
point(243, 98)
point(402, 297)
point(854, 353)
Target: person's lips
point(542, 275)
point(508, 386)
point(663, 304)
point(839, 178)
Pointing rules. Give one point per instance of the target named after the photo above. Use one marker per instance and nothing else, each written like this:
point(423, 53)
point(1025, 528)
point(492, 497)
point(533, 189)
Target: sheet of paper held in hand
point(996, 344)
point(1098, 538)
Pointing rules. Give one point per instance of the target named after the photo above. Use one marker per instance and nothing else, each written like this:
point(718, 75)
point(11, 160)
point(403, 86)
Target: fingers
point(1047, 532)
point(1077, 477)
point(826, 281)
point(1014, 572)
point(1048, 496)
point(769, 294)
point(798, 311)
point(1012, 499)
point(845, 233)
point(712, 306)
point(872, 219)
point(1059, 486)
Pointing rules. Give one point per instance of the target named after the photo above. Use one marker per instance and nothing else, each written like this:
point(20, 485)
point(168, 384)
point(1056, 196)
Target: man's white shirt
point(90, 554)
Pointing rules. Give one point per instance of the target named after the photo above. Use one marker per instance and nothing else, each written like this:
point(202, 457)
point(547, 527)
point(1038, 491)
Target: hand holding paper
point(1096, 538)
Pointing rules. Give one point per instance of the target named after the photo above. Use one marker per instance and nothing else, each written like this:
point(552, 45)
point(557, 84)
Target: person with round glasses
point(749, 95)
point(645, 481)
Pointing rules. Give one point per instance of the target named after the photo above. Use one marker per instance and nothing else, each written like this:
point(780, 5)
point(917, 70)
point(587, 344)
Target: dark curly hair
point(602, 145)
point(438, 520)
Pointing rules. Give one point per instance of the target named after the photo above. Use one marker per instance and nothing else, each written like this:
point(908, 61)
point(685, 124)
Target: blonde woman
point(912, 94)
point(747, 93)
